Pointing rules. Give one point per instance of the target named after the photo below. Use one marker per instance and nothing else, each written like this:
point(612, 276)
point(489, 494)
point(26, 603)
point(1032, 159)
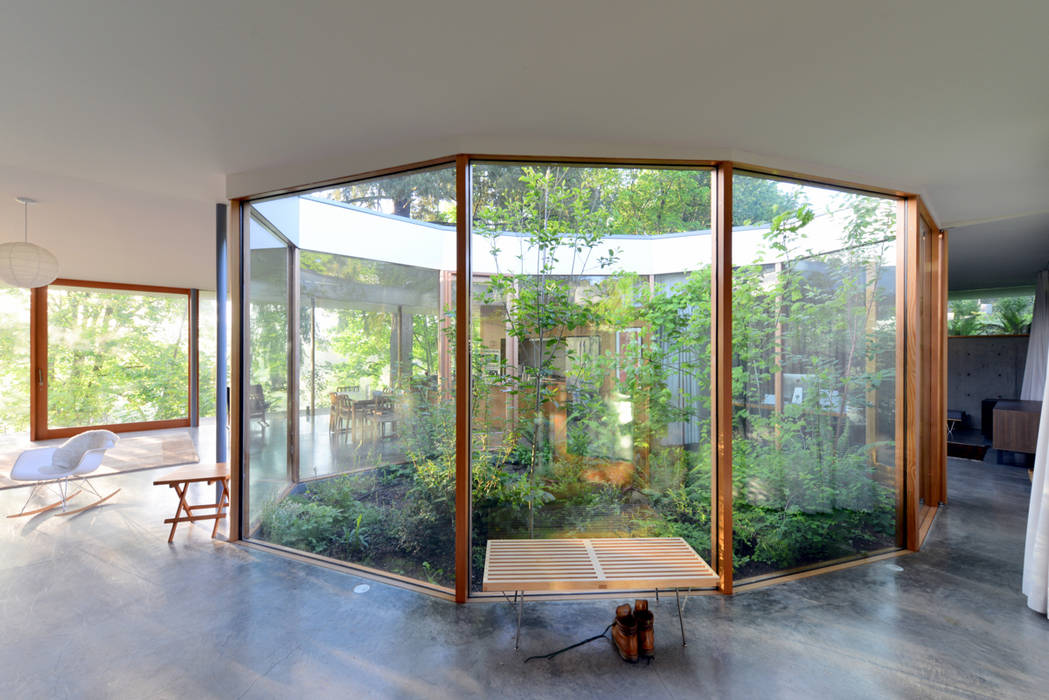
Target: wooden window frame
point(38, 335)
point(916, 420)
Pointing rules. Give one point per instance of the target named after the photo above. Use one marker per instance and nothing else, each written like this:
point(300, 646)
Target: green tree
point(648, 202)
point(116, 357)
point(1012, 315)
point(757, 200)
point(803, 474)
point(428, 195)
point(540, 306)
point(968, 319)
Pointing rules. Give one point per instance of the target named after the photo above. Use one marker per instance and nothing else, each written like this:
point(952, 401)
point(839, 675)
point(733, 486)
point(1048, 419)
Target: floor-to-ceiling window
point(591, 353)
point(265, 394)
point(814, 373)
point(370, 477)
point(590, 315)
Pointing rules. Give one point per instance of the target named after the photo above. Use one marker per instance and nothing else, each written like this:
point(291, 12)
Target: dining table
point(355, 412)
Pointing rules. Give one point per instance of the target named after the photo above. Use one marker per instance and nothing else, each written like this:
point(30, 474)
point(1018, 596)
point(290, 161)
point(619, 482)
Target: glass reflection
point(814, 344)
point(371, 480)
point(591, 359)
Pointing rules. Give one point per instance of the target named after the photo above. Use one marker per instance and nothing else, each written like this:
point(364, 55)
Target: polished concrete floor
point(99, 605)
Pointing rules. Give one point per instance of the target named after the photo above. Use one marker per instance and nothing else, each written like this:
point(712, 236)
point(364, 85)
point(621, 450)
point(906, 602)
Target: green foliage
point(300, 524)
point(599, 423)
point(14, 370)
point(1010, 315)
point(757, 201)
point(638, 201)
point(968, 320)
point(806, 483)
point(422, 195)
point(116, 357)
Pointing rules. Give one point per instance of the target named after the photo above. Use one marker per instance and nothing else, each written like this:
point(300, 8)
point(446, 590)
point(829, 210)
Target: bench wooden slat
point(594, 564)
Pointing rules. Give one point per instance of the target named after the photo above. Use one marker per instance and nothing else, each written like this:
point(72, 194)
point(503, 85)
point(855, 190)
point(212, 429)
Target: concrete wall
point(983, 367)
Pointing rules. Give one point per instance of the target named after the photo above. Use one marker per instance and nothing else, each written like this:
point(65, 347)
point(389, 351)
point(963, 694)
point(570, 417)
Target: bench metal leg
point(680, 610)
point(520, 605)
point(517, 603)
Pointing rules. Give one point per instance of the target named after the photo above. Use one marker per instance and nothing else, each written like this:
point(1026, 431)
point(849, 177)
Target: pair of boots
point(633, 632)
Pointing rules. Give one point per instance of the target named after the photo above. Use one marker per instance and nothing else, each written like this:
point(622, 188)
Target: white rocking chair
point(54, 467)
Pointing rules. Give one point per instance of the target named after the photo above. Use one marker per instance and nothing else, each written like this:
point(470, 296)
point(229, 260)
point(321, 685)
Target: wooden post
point(463, 503)
point(927, 404)
point(38, 363)
point(911, 355)
point(294, 351)
point(777, 378)
point(721, 378)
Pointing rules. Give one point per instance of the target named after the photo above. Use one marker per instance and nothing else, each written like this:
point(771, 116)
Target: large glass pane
point(270, 465)
point(375, 334)
point(591, 358)
point(116, 356)
point(14, 370)
point(208, 341)
point(814, 341)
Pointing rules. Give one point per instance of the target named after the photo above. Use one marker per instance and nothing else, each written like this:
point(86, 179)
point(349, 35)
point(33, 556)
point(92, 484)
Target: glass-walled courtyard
point(589, 325)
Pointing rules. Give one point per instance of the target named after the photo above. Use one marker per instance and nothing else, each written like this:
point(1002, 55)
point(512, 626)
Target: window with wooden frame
point(654, 348)
point(112, 356)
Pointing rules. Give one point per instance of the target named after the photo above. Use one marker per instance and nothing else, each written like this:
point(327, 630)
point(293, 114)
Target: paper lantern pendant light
point(25, 264)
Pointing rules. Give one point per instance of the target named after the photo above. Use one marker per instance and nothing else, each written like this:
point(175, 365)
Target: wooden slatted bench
point(631, 564)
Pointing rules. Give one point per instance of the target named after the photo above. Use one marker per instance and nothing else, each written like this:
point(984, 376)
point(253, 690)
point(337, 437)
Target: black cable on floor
point(577, 644)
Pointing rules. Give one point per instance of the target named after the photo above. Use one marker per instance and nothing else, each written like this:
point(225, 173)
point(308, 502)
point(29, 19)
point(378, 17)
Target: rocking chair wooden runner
point(57, 469)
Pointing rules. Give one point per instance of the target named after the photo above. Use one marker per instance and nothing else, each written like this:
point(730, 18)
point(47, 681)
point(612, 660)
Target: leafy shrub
point(300, 524)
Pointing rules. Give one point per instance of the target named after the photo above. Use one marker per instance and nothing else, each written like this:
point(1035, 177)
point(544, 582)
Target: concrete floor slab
point(99, 605)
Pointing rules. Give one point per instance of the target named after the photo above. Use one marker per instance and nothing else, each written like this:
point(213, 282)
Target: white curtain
point(1036, 551)
point(1038, 344)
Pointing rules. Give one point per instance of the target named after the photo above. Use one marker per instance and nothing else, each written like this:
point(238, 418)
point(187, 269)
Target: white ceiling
point(126, 118)
point(998, 254)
